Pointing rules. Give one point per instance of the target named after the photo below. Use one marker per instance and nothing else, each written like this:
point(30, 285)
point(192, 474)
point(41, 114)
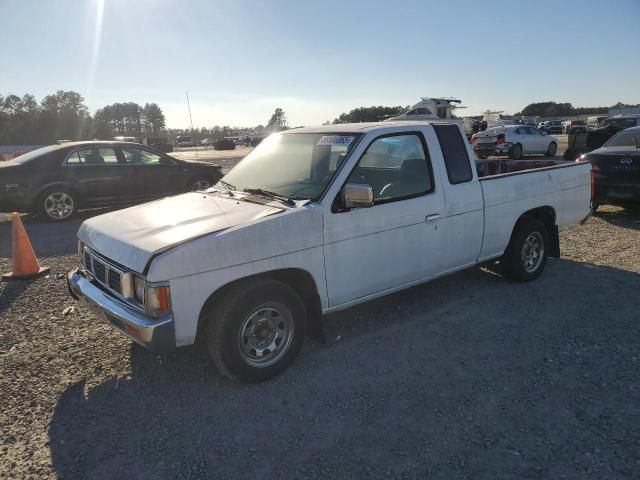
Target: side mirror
point(357, 195)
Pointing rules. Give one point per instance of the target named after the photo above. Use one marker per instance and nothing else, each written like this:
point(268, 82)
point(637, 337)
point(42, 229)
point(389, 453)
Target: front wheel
point(57, 204)
point(256, 330)
point(553, 148)
point(526, 254)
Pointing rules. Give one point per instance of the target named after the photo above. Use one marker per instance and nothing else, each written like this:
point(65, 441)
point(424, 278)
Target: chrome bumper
point(156, 335)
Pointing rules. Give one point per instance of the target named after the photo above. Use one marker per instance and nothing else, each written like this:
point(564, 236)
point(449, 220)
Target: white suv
point(513, 140)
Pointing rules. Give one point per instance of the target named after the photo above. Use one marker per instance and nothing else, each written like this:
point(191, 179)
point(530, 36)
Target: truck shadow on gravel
point(626, 218)
point(468, 376)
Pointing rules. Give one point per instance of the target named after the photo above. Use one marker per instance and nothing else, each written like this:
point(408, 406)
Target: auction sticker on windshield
point(335, 140)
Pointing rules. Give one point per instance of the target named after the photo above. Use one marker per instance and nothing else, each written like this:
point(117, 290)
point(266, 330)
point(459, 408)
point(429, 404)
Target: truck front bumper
point(157, 335)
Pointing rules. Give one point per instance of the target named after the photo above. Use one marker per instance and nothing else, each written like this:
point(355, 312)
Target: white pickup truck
point(312, 221)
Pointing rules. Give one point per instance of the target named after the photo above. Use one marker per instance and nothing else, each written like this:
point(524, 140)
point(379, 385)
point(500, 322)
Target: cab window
point(397, 167)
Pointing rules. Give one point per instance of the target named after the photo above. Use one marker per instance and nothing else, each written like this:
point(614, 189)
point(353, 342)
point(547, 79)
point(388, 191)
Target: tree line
point(64, 116)
point(553, 109)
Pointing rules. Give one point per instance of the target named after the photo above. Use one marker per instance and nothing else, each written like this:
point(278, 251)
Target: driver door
point(396, 241)
point(154, 175)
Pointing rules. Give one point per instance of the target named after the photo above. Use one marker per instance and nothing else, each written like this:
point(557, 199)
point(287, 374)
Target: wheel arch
point(57, 184)
point(298, 279)
point(547, 215)
point(212, 175)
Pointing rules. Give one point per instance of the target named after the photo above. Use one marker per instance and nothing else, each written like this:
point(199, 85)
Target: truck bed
point(511, 187)
point(488, 168)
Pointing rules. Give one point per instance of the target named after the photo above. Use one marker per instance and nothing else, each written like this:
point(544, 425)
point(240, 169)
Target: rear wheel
point(526, 254)
point(57, 204)
point(553, 148)
point(256, 330)
point(516, 151)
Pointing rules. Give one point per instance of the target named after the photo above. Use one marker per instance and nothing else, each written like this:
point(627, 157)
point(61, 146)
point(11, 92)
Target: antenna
point(191, 120)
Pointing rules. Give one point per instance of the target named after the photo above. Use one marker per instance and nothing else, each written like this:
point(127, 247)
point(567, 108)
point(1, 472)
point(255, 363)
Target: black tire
point(594, 207)
point(57, 204)
point(516, 260)
point(552, 150)
point(228, 319)
point(516, 152)
point(198, 183)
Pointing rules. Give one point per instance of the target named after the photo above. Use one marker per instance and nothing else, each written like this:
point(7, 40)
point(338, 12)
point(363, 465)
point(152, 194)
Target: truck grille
point(105, 273)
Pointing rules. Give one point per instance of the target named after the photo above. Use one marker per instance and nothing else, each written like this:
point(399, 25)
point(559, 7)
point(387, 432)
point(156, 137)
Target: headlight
point(156, 299)
point(138, 289)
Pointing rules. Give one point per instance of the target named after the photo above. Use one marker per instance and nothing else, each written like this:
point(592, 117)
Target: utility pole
point(193, 138)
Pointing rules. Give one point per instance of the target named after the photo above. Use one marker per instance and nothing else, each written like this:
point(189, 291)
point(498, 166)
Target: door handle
point(433, 217)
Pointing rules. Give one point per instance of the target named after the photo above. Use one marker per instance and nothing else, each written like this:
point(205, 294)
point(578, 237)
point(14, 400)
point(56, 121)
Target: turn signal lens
point(158, 300)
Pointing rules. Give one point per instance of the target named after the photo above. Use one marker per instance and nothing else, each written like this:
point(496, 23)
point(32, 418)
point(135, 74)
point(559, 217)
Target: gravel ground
point(466, 377)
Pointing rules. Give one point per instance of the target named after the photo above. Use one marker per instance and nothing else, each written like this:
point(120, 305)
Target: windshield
point(35, 153)
point(293, 165)
point(627, 138)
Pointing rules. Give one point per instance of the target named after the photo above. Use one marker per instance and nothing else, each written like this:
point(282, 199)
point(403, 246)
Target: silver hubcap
point(59, 205)
point(265, 335)
point(200, 185)
point(532, 252)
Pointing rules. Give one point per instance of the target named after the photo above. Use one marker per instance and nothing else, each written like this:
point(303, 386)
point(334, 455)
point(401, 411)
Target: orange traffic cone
point(25, 263)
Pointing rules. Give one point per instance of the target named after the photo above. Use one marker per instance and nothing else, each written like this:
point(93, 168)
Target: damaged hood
point(131, 237)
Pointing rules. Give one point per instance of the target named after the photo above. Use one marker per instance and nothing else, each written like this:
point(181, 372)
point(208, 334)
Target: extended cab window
point(455, 155)
point(396, 167)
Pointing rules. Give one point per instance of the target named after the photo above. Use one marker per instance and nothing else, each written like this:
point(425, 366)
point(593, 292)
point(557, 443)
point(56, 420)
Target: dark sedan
point(616, 169)
point(58, 180)
point(552, 126)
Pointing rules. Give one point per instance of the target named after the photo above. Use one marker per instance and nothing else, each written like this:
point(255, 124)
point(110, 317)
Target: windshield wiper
point(266, 193)
point(228, 187)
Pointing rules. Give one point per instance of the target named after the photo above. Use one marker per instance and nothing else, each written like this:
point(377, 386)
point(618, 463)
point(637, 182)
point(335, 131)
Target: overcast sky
point(239, 60)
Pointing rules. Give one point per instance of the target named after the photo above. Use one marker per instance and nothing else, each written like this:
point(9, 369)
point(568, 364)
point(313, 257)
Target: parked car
point(616, 169)
point(312, 221)
point(595, 121)
point(224, 144)
point(159, 143)
point(183, 141)
point(574, 126)
point(552, 126)
point(58, 180)
point(513, 140)
point(622, 121)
